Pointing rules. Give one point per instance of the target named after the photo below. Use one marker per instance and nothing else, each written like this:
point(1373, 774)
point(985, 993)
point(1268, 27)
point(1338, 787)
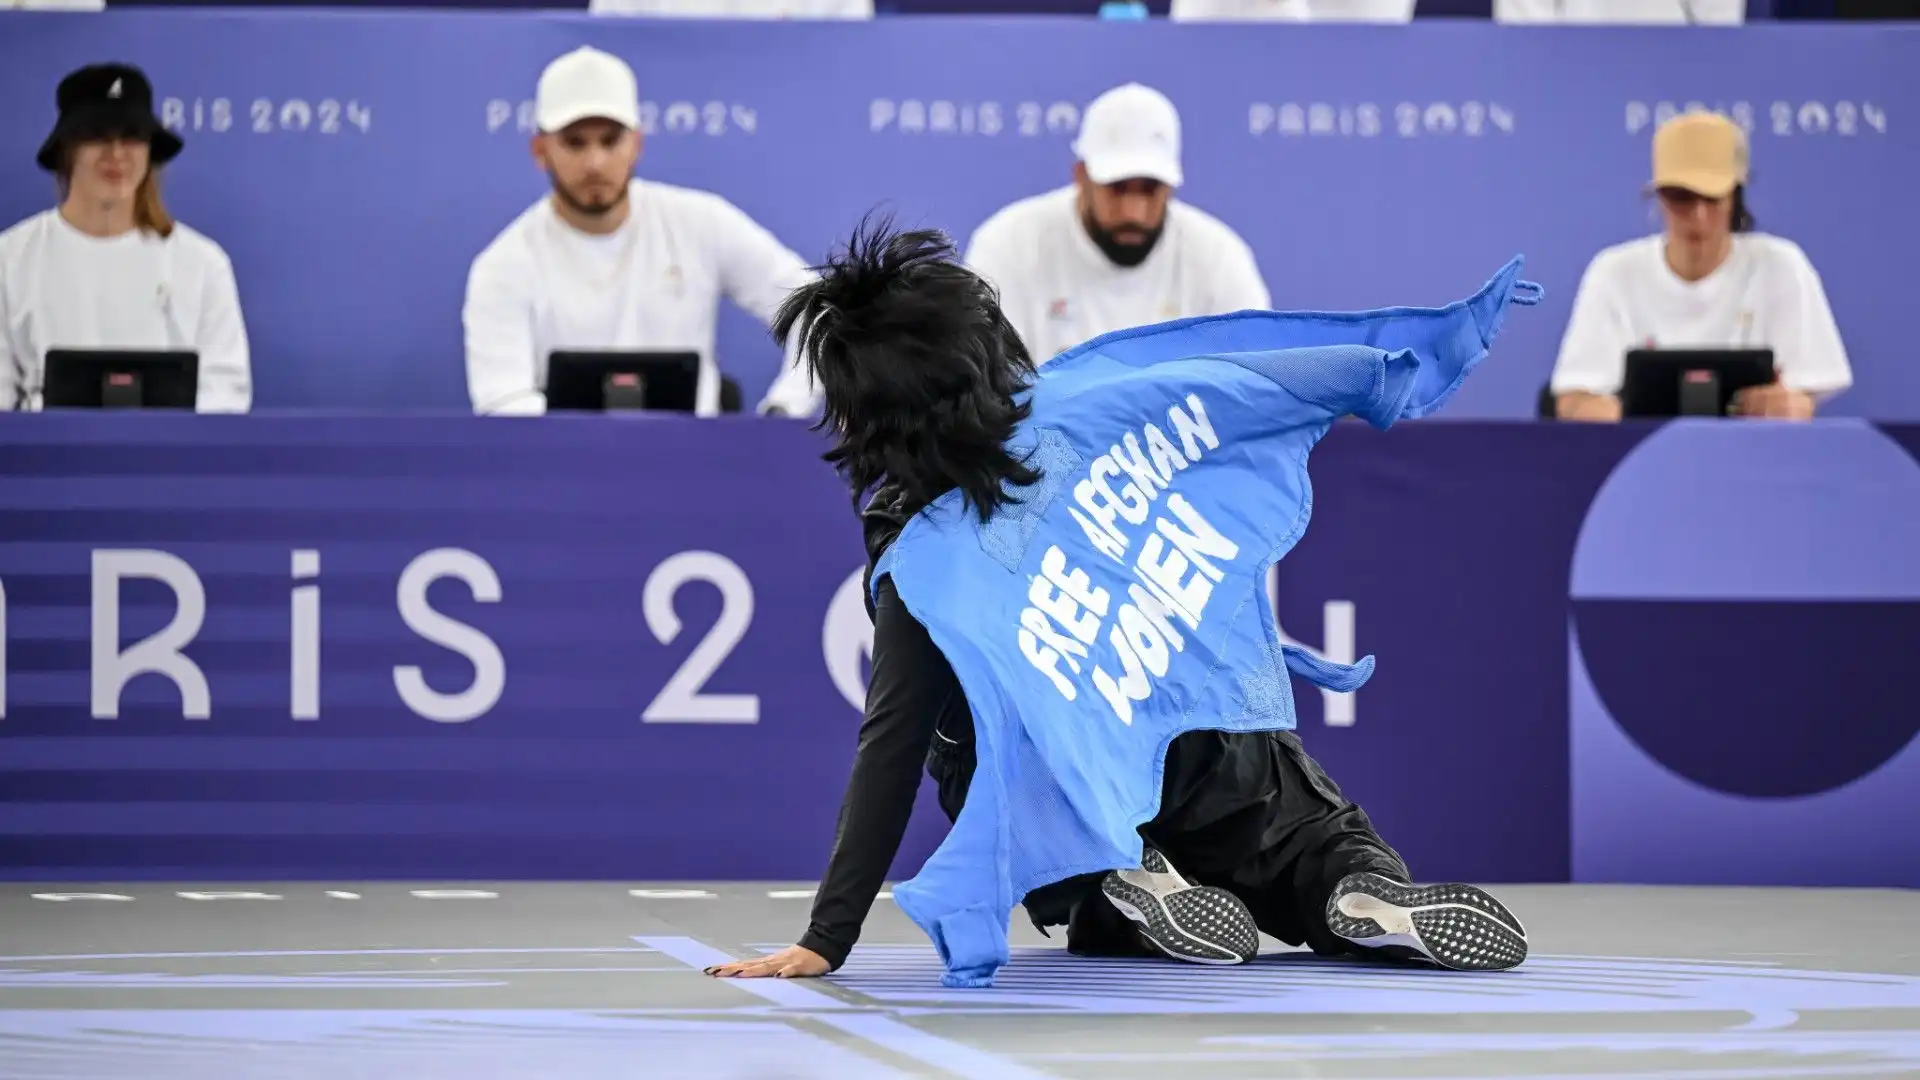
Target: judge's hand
point(1773, 402)
point(1588, 408)
point(792, 962)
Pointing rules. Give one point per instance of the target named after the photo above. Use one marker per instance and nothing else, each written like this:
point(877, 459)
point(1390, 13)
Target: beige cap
point(1701, 152)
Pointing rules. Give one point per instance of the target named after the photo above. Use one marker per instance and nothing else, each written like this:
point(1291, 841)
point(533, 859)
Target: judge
point(1709, 280)
point(1115, 248)
point(608, 261)
point(109, 267)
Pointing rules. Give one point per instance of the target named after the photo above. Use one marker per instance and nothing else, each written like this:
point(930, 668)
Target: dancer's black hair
point(920, 369)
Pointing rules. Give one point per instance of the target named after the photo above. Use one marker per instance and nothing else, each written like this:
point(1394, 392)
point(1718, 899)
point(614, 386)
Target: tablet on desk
point(622, 380)
point(121, 379)
point(1690, 382)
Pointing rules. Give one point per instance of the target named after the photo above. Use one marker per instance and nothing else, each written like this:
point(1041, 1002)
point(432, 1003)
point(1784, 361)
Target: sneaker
point(1200, 924)
point(1455, 926)
point(1097, 929)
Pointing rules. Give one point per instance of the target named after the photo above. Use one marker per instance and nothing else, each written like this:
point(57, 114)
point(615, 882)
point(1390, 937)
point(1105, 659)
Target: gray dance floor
point(596, 981)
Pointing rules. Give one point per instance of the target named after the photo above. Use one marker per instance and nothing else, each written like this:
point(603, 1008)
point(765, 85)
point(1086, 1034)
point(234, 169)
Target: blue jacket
point(1122, 601)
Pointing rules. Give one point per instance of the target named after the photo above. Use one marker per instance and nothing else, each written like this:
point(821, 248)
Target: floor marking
point(878, 1028)
point(335, 894)
point(1759, 1072)
point(783, 992)
point(301, 952)
point(451, 971)
point(670, 894)
point(1768, 1019)
point(791, 894)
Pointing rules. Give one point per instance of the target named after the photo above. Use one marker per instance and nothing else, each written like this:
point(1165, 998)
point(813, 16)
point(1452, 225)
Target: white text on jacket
point(1179, 560)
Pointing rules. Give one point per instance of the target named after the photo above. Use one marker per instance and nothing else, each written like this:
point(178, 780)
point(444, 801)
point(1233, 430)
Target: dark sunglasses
point(1681, 198)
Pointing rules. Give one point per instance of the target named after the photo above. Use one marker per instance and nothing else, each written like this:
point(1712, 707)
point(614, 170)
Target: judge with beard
point(1114, 249)
point(610, 261)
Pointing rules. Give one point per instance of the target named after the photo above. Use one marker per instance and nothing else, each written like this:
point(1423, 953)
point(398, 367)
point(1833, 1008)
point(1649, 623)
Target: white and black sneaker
point(1201, 924)
point(1456, 926)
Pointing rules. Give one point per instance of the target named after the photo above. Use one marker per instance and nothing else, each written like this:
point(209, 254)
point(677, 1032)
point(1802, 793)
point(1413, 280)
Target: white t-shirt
point(61, 288)
point(1642, 12)
point(737, 9)
point(1766, 295)
point(1058, 288)
point(654, 283)
point(1388, 11)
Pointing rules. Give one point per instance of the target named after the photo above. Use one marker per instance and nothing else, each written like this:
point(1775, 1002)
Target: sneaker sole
point(1199, 924)
point(1458, 927)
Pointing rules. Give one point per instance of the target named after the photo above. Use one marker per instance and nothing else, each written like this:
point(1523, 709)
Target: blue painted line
point(301, 952)
point(881, 1029)
point(782, 992)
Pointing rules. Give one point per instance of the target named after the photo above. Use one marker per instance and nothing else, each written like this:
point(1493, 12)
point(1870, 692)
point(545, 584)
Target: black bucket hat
point(107, 99)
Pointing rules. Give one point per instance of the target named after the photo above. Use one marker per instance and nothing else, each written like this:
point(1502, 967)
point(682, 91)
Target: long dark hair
point(1742, 216)
point(920, 369)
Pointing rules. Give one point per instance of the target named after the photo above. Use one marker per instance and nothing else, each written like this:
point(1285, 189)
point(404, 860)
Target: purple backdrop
point(1365, 165)
point(1716, 613)
point(1742, 598)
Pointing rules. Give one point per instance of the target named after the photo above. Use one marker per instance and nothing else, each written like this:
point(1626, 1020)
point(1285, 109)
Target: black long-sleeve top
point(910, 687)
point(912, 692)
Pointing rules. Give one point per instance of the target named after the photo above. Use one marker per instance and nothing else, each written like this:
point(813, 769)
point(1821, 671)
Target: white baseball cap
point(1130, 132)
point(587, 84)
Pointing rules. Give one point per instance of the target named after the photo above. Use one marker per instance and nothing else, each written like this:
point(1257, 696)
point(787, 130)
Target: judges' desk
point(299, 646)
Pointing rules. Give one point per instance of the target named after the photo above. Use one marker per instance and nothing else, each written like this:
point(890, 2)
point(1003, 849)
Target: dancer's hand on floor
point(792, 962)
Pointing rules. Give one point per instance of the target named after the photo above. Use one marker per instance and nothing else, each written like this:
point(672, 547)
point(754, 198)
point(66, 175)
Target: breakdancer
point(925, 383)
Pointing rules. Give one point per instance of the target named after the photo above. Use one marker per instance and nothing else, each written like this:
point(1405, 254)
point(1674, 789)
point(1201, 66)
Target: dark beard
point(589, 209)
point(1125, 255)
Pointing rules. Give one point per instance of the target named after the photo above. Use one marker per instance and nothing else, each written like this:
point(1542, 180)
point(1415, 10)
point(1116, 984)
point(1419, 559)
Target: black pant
point(1251, 813)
